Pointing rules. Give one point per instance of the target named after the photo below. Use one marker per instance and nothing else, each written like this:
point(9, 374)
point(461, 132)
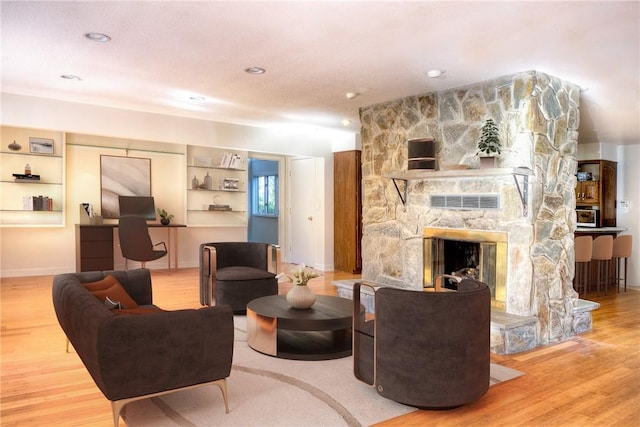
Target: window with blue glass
point(265, 195)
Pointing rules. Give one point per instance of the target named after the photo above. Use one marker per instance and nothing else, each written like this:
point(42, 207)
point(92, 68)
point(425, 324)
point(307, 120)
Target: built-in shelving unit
point(400, 179)
point(15, 210)
point(224, 201)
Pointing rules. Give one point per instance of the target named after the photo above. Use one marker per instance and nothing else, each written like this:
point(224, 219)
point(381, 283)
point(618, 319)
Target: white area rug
point(266, 391)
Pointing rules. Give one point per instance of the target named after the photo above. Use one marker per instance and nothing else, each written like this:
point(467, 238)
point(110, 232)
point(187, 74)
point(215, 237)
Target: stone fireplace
point(530, 230)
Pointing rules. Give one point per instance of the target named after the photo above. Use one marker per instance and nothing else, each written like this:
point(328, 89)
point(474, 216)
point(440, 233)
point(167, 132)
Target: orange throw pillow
point(110, 287)
point(101, 285)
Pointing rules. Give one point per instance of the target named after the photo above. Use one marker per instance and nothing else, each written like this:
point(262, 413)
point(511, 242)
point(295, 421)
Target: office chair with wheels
point(135, 242)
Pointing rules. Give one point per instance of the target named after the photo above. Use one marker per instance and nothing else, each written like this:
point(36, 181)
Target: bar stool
point(583, 249)
point(621, 250)
point(602, 250)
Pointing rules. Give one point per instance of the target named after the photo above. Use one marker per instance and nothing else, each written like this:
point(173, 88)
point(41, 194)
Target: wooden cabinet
point(599, 192)
point(588, 192)
point(94, 247)
point(347, 211)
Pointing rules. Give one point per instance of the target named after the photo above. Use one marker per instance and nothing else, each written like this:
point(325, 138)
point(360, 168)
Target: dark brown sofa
point(426, 349)
point(133, 356)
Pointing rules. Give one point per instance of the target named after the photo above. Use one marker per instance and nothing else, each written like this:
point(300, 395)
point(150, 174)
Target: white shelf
point(50, 168)
point(425, 174)
point(198, 200)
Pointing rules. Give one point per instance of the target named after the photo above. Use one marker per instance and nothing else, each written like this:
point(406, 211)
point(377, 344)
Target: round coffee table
point(319, 333)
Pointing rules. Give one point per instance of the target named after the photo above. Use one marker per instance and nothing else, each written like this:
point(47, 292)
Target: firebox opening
point(461, 259)
point(477, 254)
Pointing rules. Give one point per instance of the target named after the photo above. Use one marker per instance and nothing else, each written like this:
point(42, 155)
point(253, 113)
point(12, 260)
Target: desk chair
point(135, 242)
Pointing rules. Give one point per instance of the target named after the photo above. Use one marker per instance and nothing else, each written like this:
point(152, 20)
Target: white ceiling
point(161, 53)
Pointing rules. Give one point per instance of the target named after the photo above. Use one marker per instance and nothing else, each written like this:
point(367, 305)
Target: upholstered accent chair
point(235, 273)
point(426, 349)
point(133, 349)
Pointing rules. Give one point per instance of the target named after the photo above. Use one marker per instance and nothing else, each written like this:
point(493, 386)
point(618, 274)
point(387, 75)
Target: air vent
point(466, 201)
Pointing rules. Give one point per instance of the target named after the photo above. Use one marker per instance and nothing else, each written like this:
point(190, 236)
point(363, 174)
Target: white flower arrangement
point(300, 275)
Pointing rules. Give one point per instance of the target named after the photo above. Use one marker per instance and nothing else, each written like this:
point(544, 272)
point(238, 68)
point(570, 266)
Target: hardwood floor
point(590, 380)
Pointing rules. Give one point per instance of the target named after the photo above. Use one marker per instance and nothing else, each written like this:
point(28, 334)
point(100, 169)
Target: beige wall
point(41, 251)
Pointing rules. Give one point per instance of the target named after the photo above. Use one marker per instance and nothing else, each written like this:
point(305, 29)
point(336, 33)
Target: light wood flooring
point(590, 380)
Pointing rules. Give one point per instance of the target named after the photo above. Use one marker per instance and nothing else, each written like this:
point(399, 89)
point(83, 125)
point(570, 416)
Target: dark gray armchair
point(426, 349)
point(235, 273)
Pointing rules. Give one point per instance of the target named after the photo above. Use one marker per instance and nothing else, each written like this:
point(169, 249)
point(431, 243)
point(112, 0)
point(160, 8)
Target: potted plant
point(489, 144)
point(165, 217)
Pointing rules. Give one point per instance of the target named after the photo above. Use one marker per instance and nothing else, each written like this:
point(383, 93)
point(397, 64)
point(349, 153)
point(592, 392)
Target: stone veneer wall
point(538, 118)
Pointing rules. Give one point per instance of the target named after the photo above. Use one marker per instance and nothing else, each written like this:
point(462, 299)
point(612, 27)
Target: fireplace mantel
point(427, 174)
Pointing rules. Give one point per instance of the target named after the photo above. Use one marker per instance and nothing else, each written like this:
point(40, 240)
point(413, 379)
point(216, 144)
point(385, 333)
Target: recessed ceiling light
point(97, 37)
point(345, 122)
point(255, 70)
point(435, 73)
point(70, 77)
point(351, 95)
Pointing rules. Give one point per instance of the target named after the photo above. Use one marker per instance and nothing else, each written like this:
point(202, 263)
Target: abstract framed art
point(122, 176)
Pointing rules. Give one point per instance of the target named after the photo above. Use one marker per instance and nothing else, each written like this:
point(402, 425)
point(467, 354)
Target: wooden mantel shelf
point(424, 174)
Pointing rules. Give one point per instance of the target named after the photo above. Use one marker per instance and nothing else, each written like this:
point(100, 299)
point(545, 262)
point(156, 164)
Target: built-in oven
point(587, 217)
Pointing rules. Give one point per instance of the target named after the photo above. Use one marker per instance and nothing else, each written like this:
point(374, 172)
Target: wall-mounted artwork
point(40, 145)
point(122, 176)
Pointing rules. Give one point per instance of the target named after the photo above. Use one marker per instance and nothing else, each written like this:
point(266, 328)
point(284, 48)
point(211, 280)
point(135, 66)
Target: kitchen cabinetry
point(219, 198)
point(347, 211)
point(587, 192)
point(19, 196)
point(600, 191)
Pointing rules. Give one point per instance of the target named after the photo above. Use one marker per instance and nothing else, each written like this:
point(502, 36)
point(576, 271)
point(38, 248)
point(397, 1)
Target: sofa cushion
point(110, 287)
point(242, 273)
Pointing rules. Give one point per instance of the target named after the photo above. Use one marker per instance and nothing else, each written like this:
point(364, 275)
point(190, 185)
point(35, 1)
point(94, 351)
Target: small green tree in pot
point(165, 216)
point(489, 142)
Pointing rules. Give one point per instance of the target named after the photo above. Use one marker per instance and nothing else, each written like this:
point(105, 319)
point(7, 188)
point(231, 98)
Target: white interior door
point(302, 184)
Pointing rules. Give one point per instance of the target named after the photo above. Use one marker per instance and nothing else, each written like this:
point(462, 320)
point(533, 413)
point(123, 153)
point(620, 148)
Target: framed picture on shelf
point(40, 145)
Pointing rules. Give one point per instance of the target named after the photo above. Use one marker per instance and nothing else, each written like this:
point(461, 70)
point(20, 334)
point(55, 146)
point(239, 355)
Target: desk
point(94, 245)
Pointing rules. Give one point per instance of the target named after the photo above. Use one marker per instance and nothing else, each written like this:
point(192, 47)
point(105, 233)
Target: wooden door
point(347, 212)
point(608, 176)
point(302, 237)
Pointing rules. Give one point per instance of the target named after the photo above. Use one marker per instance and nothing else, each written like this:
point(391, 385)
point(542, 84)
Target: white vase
point(301, 297)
